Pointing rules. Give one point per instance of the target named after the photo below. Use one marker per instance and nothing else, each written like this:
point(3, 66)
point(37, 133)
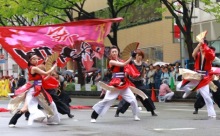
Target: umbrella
point(160, 63)
point(68, 72)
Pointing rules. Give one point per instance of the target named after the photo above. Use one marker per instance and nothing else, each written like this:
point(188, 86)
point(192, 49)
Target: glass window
point(153, 54)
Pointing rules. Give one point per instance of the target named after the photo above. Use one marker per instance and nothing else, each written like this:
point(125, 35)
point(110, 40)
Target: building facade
point(206, 21)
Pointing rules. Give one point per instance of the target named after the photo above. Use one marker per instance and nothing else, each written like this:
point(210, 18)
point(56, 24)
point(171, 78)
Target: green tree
point(40, 12)
point(212, 7)
point(185, 14)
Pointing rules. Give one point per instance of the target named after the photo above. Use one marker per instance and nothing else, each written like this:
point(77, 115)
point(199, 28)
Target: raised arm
point(196, 50)
point(41, 72)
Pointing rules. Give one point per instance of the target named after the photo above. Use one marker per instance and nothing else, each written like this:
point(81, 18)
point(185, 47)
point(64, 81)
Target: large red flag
point(82, 39)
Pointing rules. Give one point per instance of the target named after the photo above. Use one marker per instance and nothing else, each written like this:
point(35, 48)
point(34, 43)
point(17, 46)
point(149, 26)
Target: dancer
point(203, 57)
point(138, 82)
point(33, 94)
point(121, 85)
point(62, 106)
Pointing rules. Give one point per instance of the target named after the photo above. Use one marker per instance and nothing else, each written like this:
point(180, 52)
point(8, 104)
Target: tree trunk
point(81, 78)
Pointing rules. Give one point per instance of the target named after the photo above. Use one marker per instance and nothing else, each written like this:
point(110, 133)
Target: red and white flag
point(82, 39)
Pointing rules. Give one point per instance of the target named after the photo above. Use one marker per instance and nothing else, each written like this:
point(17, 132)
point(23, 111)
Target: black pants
point(147, 103)
point(62, 107)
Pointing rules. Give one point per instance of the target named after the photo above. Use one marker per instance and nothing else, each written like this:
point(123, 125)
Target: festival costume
point(138, 82)
point(121, 83)
point(202, 85)
point(33, 94)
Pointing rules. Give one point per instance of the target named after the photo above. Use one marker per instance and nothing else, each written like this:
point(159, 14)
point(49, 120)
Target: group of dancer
point(126, 81)
point(38, 92)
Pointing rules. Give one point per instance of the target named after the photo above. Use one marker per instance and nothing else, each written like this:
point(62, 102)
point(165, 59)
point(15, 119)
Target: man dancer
point(203, 56)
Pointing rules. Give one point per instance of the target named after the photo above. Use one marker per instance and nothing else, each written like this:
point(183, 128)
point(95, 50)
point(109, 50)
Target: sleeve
point(50, 83)
point(209, 53)
point(131, 70)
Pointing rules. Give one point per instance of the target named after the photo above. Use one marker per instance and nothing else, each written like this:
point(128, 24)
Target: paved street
point(175, 119)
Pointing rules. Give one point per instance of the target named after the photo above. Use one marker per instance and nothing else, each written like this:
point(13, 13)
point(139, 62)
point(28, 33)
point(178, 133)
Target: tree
point(185, 14)
point(40, 12)
point(212, 8)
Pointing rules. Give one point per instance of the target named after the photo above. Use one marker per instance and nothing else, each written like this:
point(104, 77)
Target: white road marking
point(185, 110)
point(171, 129)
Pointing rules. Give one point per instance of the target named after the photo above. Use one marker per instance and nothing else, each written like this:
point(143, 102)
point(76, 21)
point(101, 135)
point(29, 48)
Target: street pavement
point(174, 119)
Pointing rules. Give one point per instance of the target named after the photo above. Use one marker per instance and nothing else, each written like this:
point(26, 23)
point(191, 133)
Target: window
point(153, 54)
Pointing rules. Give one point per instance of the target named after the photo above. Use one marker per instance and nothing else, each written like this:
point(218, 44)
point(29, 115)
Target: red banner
point(77, 40)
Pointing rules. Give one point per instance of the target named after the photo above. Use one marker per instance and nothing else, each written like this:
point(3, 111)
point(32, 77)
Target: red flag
point(82, 39)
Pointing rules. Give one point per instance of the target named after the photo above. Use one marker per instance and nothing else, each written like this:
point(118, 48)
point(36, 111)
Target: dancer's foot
point(15, 118)
point(187, 93)
point(136, 118)
point(11, 125)
point(93, 121)
point(117, 113)
point(196, 111)
point(70, 115)
point(212, 117)
point(154, 114)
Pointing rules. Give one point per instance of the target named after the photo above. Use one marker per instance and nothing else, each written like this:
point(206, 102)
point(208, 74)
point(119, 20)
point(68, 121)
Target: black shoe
point(15, 118)
point(195, 112)
point(70, 115)
point(117, 114)
point(154, 114)
point(27, 114)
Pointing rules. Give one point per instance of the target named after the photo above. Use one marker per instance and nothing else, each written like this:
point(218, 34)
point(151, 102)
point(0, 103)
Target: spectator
point(165, 93)
point(166, 75)
point(150, 76)
point(157, 76)
point(98, 78)
point(21, 81)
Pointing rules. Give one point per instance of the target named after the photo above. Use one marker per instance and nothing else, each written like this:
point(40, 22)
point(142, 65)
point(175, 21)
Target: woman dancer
point(34, 94)
point(138, 82)
point(121, 83)
point(204, 56)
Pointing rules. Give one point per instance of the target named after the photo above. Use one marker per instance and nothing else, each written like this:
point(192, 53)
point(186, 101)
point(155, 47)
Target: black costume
point(138, 82)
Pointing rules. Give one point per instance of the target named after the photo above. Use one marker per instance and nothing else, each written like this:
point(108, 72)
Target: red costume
point(205, 68)
point(119, 79)
point(37, 79)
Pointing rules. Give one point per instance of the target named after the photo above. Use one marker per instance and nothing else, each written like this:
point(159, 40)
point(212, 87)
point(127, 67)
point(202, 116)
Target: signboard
point(77, 87)
point(2, 61)
point(99, 88)
point(176, 29)
point(88, 87)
